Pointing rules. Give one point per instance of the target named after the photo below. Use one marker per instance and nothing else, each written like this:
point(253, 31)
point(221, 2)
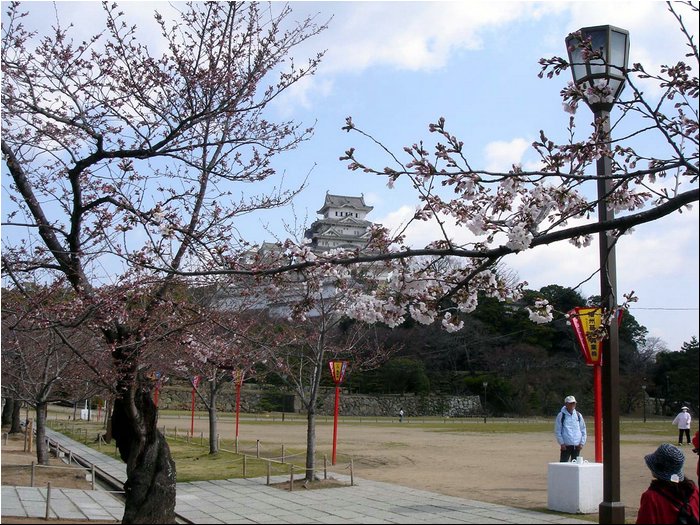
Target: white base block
point(575, 488)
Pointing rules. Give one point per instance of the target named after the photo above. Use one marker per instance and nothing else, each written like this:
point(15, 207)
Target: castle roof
point(344, 201)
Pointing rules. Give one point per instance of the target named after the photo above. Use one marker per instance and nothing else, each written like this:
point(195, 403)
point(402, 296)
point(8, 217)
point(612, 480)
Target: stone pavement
point(68, 504)
point(252, 501)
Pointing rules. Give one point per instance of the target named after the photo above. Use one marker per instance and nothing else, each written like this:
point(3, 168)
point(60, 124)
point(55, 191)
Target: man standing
point(682, 420)
point(569, 430)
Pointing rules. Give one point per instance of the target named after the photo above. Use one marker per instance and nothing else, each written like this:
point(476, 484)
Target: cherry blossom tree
point(314, 332)
point(124, 159)
point(46, 352)
point(217, 350)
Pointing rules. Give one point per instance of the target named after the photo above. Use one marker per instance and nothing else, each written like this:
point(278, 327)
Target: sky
point(396, 67)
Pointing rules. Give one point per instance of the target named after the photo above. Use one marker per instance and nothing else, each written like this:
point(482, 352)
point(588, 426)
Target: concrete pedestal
point(575, 487)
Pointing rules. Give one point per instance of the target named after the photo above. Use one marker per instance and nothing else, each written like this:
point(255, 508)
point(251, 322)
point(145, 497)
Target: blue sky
point(395, 67)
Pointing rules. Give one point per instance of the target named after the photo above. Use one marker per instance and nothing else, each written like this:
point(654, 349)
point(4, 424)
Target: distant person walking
point(569, 430)
point(682, 420)
point(401, 415)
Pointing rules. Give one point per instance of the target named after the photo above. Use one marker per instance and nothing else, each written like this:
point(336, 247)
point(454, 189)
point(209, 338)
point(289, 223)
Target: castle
point(343, 224)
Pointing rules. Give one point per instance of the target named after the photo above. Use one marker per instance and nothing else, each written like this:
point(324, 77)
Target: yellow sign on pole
point(586, 321)
point(338, 369)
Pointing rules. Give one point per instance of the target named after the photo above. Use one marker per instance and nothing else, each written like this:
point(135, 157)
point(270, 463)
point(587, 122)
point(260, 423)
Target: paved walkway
point(252, 501)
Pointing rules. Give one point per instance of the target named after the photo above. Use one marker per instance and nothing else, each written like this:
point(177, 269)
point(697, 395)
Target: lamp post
point(600, 71)
point(485, 384)
point(644, 402)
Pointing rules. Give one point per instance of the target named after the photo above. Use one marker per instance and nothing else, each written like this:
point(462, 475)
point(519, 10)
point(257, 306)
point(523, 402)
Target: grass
point(192, 457)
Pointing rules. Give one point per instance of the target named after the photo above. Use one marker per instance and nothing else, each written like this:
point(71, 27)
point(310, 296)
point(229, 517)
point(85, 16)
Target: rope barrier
point(38, 465)
point(273, 464)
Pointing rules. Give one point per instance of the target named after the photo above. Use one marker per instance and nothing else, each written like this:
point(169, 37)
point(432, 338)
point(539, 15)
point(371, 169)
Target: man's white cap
point(569, 399)
point(684, 408)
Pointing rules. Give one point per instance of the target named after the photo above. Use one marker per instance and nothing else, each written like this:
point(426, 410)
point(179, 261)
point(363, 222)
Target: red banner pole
point(192, 418)
point(598, 411)
point(335, 422)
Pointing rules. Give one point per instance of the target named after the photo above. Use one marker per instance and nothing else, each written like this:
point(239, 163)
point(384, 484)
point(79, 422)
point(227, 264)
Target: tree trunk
point(150, 469)
point(42, 450)
point(16, 425)
point(311, 441)
point(7, 411)
point(213, 442)
point(108, 419)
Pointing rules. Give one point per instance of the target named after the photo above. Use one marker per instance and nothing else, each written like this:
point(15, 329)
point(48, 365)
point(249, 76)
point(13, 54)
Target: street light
point(600, 71)
point(644, 402)
point(485, 383)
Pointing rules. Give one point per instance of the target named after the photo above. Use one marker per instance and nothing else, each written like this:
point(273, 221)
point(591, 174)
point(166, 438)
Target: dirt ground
point(494, 467)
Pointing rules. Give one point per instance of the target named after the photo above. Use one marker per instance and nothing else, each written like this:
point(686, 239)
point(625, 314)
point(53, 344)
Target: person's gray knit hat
point(666, 463)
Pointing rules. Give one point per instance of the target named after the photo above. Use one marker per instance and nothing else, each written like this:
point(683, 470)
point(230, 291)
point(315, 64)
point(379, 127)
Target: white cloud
point(501, 155)
point(304, 93)
point(410, 35)
point(420, 233)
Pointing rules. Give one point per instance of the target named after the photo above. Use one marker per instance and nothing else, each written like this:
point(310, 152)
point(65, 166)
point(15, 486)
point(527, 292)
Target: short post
point(257, 448)
point(325, 466)
point(291, 477)
point(31, 482)
point(92, 469)
point(244, 465)
point(5, 436)
point(70, 457)
point(201, 438)
point(283, 453)
point(268, 473)
point(352, 477)
point(48, 498)
point(175, 433)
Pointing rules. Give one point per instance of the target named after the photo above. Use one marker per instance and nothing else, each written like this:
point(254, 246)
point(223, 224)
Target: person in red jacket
point(669, 489)
point(696, 446)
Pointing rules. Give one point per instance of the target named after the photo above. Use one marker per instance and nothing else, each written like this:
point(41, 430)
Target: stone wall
point(413, 405)
point(255, 399)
